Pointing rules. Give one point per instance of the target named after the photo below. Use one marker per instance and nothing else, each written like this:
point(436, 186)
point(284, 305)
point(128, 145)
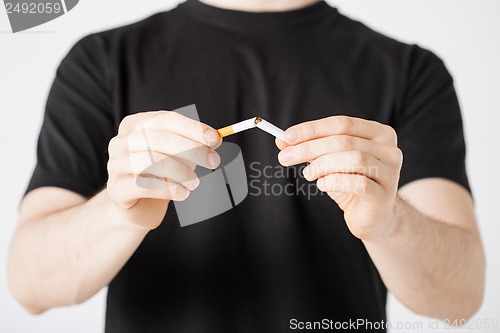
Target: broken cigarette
point(238, 127)
point(251, 123)
point(270, 128)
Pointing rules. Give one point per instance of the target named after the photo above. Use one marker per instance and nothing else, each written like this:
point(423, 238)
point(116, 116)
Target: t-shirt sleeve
point(429, 124)
point(78, 123)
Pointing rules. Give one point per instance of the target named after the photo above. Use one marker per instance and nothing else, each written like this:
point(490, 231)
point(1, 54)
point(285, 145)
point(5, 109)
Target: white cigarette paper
point(236, 128)
point(270, 128)
point(244, 125)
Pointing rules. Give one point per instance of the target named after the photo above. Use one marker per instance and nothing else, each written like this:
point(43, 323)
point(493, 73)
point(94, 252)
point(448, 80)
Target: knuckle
point(112, 145)
point(346, 142)
point(190, 126)
point(344, 123)
point(110, 169)
point(396, 155)
point(116, 146)
point(391, 133)
point(113, 166)
point(314, 129)
point(126, 123)
point(195, 128)
point(127, 120)
point(170, 115)
point(307, 150)
point(358, 158)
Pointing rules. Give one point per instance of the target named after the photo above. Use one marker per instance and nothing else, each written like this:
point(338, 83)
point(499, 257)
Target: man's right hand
point(85, 242)
point(152, 161)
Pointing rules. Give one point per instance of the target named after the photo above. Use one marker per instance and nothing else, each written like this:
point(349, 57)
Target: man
point(355, 102)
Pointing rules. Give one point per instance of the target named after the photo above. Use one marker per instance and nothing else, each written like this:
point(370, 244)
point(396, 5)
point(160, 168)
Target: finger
point(340, 125)
point(171, 121)
point(154, 165)
point(280, 144)
point(310, 150)
point(351, 162)
point(187, 127)
point(131, 122)
point(164, 167)
point(354, 184)
point(119, 147)
point(163, 188)
point(129, 190)
point(173, 144)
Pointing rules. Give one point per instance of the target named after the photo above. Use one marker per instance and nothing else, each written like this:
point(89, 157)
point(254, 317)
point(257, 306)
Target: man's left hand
point(356, 161)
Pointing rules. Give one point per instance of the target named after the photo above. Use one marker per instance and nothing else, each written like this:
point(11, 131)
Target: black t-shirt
point(276, 256)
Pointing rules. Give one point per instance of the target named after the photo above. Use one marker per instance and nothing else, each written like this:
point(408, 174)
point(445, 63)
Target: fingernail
point(184, 195)
point(285, 155)
point(291, 135)
point(193, 184)
point(211, 137)
point(213, 159)
point(179, 192)
point(305, 172)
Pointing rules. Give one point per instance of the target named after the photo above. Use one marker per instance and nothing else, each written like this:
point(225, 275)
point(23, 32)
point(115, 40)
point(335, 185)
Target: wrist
point(389, 225)
point(126, 219)
point(394, 220)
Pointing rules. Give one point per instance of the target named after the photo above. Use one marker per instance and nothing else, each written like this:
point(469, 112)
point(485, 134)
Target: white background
point(466, 34)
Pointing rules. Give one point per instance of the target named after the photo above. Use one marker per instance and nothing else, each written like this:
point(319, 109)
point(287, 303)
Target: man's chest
point(234, 83)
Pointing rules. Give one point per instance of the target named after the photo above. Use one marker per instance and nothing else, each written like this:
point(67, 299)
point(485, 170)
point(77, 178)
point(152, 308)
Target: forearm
point(67, 256)
point(434, 268)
